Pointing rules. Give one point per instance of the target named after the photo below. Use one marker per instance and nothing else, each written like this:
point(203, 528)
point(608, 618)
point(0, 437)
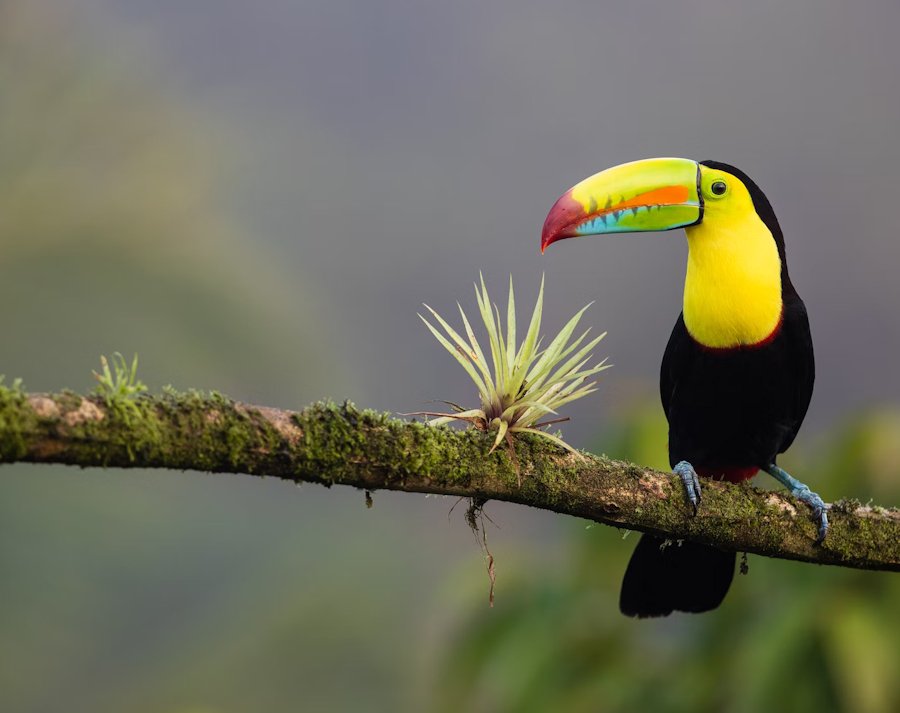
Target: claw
point(691, 482)
point(819, 509)
point(802, 492)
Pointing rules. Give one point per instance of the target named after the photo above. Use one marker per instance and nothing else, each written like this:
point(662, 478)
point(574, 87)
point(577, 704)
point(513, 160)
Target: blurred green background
point(256, 197)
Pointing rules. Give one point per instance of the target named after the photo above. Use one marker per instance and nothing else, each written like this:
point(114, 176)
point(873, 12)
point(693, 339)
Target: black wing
point(676, 352)
point(801, 363)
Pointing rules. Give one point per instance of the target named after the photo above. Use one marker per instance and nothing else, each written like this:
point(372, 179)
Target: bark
point(342, 445)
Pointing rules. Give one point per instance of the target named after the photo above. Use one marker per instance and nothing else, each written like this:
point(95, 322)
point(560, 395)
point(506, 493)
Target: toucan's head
point(736, 273)
point(659, 194)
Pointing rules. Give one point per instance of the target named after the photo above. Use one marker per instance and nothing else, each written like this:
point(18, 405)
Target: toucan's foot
point(803, 493)
point(688, 475)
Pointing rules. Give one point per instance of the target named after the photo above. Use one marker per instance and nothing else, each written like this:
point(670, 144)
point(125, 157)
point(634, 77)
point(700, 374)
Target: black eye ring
point(718, 188)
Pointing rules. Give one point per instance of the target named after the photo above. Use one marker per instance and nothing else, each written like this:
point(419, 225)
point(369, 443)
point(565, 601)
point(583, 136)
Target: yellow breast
point(732, 290)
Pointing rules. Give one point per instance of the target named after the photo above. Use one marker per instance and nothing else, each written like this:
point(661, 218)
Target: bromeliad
point(524, 385)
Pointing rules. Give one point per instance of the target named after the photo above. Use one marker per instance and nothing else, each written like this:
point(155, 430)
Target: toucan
point(738, 371)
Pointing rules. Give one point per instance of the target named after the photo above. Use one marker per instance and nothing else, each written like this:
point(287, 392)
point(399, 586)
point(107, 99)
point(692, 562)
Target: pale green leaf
point(450, 417)
point(527, 406)
point(526, 353)
point(503, 376)
point(501, 432)
point(511, 328)
point(460, 342)
point(461, 358)
point(484, 306)
point(476, 349)
point(549, 436)
point(547, 361)
point(579, 356)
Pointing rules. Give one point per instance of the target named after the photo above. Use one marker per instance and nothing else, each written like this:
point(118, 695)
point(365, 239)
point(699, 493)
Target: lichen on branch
point(342, 445)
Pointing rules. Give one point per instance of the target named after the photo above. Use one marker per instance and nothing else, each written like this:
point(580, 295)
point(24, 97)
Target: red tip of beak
point(562, 220)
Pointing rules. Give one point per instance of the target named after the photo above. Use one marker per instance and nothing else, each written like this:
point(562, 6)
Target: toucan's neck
point(733, 286)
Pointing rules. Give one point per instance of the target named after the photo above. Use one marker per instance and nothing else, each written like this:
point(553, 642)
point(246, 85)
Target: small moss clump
point(12, 427)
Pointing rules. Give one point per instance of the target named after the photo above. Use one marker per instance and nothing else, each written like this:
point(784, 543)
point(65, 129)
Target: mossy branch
point(341, 445)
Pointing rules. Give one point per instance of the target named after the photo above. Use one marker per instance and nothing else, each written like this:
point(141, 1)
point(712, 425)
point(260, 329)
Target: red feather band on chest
point(733, 474)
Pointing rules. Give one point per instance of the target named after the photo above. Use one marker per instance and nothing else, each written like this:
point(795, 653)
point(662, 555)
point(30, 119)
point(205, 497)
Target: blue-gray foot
point(802, 492)
point(688, 475)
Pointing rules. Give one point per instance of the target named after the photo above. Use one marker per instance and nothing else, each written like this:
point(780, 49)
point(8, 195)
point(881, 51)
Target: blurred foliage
point(788, 637)
point(119, 592)
point(115, 229)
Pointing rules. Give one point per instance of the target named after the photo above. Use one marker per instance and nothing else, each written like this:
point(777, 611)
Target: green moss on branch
point(340, 444)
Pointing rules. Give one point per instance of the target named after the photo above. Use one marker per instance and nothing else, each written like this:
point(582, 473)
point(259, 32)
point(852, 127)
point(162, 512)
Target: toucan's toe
point(819, 508)
point(691, 482)
point(802, 492)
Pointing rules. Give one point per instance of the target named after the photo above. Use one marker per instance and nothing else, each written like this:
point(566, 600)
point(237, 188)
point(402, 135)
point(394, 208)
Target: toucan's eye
point(718, 188)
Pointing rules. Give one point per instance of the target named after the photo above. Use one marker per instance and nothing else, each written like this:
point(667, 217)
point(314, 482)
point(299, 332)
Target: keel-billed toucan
point(737, 374)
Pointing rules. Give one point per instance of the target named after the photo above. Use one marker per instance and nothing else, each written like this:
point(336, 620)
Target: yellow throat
point(732, 290)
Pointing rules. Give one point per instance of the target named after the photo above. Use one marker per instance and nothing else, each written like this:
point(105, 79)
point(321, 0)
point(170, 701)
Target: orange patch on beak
point(667, 195)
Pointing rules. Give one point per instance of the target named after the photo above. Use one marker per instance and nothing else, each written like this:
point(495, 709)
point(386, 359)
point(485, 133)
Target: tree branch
point(341, 445)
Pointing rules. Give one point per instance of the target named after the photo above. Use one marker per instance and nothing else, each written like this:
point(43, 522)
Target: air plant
point(527, 383)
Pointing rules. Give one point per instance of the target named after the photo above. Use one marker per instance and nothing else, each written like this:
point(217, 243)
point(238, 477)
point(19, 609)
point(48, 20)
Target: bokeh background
point(257, 196)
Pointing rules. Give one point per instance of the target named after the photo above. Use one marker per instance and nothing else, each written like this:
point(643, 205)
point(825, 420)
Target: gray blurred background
point(256, 197)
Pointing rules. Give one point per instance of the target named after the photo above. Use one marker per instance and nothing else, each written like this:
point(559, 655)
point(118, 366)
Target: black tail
point(686, 577)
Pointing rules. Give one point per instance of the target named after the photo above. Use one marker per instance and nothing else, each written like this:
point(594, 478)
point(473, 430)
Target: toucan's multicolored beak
point(641, 196)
